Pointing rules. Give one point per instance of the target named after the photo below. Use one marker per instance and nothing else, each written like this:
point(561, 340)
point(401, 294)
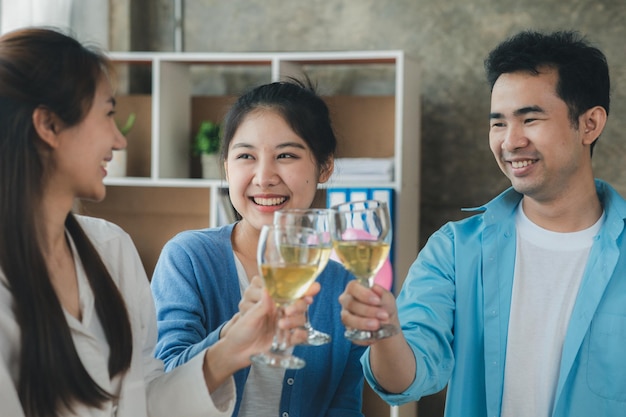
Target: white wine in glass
point(288, 259)
point(318, 219)
point(362, 233)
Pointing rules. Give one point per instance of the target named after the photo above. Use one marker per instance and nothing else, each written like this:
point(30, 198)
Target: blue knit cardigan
point(196, 290)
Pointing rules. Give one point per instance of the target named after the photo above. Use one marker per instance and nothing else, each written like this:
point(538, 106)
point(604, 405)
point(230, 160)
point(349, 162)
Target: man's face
point(532, 137)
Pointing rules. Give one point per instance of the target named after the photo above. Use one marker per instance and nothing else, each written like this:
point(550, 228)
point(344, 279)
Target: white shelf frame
point(171, 111)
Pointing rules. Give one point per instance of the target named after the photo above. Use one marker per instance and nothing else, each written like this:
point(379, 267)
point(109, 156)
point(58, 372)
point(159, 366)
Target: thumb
point(264, 305)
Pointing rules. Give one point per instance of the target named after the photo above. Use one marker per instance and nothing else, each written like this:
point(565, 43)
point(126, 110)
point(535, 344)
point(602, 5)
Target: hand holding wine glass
point(362, 234)
point(288, 258)
point(318, 219)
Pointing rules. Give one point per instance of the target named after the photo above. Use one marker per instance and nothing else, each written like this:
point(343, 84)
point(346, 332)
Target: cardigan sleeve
point(195, 294)
point(180, 313)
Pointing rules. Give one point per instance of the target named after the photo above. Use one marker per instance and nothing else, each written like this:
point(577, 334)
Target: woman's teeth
point(269, 201)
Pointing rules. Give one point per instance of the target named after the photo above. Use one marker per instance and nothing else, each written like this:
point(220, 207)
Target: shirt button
point(289, 381)
point(285, 414)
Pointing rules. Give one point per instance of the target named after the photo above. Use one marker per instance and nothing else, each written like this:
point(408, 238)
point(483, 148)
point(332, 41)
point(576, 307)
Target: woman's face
point(269, 167)
point(83, 150)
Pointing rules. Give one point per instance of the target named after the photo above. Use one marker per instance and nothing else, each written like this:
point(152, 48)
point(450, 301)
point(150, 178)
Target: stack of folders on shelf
point(336, 196)
point(363, 170)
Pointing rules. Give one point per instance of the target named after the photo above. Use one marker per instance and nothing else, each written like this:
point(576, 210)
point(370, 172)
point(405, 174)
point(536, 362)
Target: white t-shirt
point(548, 269)
point(144, 389)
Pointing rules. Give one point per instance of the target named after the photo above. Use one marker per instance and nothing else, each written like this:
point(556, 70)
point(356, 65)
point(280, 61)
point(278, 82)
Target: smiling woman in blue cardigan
point(277, 146)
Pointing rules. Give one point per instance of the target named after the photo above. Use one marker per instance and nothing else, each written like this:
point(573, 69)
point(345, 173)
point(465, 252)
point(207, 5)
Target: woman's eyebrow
point(290, 145)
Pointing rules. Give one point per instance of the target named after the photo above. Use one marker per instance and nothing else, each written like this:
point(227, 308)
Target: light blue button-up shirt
point(454, 309)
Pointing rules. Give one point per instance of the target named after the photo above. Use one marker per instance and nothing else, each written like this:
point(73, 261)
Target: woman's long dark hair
point(44, 67)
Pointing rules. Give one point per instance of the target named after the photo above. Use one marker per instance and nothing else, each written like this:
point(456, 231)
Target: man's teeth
point(269, 201)
point(521, 164)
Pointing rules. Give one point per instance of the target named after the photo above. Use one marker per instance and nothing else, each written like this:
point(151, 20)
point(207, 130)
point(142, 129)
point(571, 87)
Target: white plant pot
point(211, 166)
point(117, 166)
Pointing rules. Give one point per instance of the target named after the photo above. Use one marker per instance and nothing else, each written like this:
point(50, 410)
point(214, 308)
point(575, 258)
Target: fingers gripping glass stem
point(361, 233)
point(288, 259)
point(318, 219)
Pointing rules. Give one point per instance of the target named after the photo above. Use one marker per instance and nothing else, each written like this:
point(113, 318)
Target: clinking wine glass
point(288, 258)
point(318, 219)
point(362, 233)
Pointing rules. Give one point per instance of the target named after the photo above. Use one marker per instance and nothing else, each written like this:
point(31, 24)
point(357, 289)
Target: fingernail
point(382, 315)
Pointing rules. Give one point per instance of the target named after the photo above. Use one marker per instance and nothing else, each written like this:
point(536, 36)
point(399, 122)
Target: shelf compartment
point(152, 215)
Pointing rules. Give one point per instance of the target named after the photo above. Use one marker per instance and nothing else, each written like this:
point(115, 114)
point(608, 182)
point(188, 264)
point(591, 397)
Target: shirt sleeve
point(183, 391)
point(426, 306)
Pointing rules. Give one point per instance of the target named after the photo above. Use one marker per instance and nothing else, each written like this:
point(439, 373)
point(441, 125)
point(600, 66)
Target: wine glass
point(288, 259)
point(318, 219)
point(361, 233)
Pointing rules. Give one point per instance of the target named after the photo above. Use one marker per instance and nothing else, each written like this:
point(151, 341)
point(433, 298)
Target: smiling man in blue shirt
point(520, 308)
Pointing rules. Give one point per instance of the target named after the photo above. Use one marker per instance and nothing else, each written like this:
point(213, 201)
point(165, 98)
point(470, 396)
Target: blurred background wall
point(449, 39)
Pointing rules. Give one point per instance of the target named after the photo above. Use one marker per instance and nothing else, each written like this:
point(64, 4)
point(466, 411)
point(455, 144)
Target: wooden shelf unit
point(159, 197)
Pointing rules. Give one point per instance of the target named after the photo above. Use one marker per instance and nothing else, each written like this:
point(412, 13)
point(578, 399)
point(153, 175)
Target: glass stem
point(307, 323)
point(281, 338)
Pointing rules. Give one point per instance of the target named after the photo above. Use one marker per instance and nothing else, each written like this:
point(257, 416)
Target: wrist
point(220, 362)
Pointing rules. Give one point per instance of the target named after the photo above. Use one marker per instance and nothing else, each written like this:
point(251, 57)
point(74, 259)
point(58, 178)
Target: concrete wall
point(450, 39)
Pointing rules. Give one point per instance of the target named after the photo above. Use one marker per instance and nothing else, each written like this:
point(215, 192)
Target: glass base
point(278, 360)
point(356, 335)
point(316, 338)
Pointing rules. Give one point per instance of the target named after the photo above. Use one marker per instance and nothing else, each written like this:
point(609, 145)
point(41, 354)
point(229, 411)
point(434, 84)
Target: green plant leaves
point(207, 140)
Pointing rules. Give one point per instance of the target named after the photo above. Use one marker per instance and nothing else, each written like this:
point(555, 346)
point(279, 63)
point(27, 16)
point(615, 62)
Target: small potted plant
point(206, 144)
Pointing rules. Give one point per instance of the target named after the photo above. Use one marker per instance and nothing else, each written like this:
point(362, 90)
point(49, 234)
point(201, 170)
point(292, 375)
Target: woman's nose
point(120, 140)
point(266, 174)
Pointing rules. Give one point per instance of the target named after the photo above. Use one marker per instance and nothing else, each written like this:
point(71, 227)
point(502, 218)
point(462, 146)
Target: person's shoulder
point(216, 236)
point(611, 199)
point(100, 229)
point(497, 212)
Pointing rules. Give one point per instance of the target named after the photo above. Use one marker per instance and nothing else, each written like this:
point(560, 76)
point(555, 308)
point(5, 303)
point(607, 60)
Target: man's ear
point(592, 124)
point(46, 125)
